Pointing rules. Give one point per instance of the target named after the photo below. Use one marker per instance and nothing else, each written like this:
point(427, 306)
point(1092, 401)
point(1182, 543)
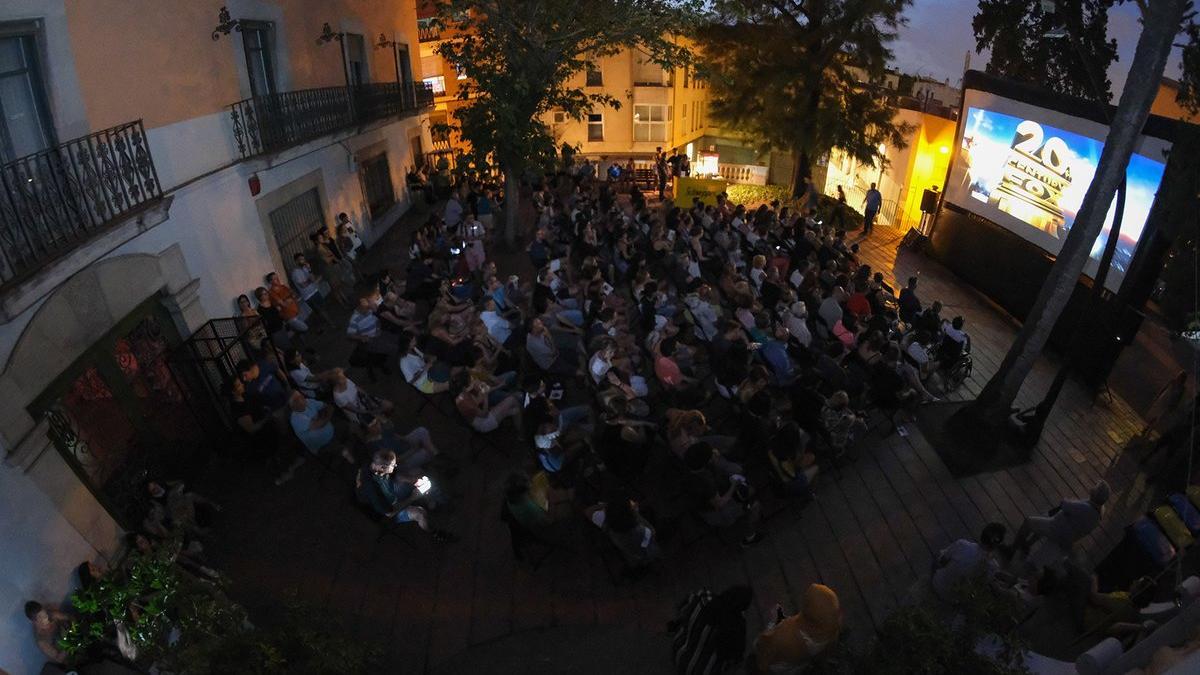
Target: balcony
point(55, 200)
point(428, 33)
point(268, 124)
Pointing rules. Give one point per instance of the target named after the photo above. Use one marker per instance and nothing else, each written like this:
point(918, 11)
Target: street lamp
point(327, 35)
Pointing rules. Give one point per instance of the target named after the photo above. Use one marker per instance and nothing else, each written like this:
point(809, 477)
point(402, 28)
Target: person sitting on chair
point(394, 496)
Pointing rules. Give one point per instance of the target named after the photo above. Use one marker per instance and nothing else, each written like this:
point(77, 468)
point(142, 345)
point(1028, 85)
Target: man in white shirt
point(454, 211)
point(1074, 520)
point(497, 326)
point(703, 313)
point(965, 559)
point(797, 323)
point(308, 286)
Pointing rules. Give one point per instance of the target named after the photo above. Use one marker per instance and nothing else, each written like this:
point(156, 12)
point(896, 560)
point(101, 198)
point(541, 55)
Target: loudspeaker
point(929, 201)
point(915, 240)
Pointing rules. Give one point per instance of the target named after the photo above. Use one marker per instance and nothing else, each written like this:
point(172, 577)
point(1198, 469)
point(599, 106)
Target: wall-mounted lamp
point(225, 24)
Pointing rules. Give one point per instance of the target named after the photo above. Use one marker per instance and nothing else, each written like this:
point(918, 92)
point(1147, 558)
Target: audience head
point(383, 462)
point(992, 536)
point(912, 283)
point(839, 400)
point(36, 613)
point(247, 370)
point(1099, 494)
point(957, 323)
point(297, 402)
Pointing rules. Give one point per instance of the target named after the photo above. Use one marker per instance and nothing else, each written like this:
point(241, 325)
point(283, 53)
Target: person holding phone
point(396, 496)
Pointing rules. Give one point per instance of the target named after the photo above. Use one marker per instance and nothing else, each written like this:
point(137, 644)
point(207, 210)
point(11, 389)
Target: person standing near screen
point(871, 205)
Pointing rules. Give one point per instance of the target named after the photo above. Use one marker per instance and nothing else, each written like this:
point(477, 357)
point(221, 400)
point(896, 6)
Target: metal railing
point(275, 122)
point(427, 32)
point(52, 201)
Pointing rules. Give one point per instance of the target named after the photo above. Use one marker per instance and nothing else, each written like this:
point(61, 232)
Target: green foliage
point(1189, 81)
point(925, 638)
point(520, 57)
point(1014, 31)
point(139, 599)
point(155, 599)
point(753, 195)
point(804, 76)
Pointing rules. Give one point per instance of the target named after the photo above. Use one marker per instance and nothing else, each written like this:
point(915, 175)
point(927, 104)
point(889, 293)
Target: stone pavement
point(468, 607)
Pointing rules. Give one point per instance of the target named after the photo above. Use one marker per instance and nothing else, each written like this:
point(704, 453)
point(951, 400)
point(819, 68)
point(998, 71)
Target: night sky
point(938, 36)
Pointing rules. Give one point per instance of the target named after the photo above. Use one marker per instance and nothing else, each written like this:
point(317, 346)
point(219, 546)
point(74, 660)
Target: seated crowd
point(637, 331)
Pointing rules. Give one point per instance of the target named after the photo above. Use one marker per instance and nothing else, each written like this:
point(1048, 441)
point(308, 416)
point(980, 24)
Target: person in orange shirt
point(796, 639)
point(286, 302)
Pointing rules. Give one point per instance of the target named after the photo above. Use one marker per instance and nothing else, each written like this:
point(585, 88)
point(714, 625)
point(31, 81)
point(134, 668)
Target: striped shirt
point(363, 325)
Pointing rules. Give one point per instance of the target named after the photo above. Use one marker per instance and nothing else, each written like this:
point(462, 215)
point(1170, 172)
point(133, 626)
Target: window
point(685, 110)
point(595, 126)
point(559, 117)
point(356, 60)
point(687, 80)
point(650, 74)
point(460, 73)
point(293, 222)
point(437, 83)
point(376, 176)
point(595, 77)
point(25, 126)
point(259, 45)
point(650, 122)
point(405, 64)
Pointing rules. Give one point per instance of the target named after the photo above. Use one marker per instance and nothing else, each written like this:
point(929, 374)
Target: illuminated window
point(595, 126)
point(650, 122)
point(438, 84)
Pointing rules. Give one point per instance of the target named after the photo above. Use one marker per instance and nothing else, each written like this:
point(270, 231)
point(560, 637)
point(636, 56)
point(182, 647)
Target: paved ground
point(470, 608)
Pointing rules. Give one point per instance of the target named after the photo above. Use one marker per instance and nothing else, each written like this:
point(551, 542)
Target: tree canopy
point(1075, 64)
point(804, 75)
point(520, 57)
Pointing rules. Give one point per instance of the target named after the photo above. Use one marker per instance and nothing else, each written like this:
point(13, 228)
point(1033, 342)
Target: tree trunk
point(512, 204)
point(1160, 25)
point(800, 171)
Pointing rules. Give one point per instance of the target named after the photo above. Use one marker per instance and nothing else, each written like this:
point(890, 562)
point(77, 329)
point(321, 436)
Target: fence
point(52, 201)
point(275, 122)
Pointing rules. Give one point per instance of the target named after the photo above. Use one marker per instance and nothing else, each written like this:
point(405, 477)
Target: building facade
point(157, 159)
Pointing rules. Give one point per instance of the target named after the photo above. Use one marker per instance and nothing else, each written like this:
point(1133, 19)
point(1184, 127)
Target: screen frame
point(980, 90)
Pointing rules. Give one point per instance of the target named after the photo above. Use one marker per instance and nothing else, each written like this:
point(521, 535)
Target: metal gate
point(376, 177)
point(294, 222)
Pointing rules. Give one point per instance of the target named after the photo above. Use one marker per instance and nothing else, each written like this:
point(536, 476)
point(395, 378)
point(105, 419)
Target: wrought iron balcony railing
point(428, 32)
point(54, 200)
point(275, 122)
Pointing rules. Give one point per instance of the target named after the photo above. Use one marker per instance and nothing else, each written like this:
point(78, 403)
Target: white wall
point(39, 553)
point(215, 221)
point(226, 246)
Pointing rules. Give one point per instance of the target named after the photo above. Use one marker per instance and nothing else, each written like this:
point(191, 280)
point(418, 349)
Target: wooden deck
point(869, 535)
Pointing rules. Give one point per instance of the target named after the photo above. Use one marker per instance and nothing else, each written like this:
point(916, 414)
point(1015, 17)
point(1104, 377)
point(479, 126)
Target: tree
point(804, 75)
point(1015, 32)
point(520, 57)
point(1161, 22)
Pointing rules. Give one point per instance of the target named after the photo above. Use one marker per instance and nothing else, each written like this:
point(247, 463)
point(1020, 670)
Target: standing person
point(709, 633)
point(290, 309)
point(484, 208)
point(350, 243)
point(1071, 521)
point(308, 284)
point(453, 212)
point(871, 205)
point(660, 171)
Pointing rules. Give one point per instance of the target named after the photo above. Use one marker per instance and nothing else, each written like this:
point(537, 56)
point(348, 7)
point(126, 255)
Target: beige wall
point(1165, 104)
point(155, 60)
